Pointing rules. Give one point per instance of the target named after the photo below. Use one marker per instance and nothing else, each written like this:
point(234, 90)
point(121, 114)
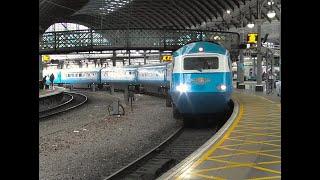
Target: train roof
point(208, 47)
point(81, 69)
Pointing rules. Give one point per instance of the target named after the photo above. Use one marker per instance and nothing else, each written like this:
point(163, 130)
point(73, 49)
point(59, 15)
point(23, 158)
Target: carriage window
point(197, 63)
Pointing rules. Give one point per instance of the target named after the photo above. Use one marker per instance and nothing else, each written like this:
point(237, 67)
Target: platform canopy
point(173, 14)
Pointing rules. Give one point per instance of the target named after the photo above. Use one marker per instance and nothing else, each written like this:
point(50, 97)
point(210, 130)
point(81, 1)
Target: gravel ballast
point(87, 143)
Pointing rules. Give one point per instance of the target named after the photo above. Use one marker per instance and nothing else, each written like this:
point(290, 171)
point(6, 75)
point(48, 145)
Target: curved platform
point(49, 92)
point(248, 146)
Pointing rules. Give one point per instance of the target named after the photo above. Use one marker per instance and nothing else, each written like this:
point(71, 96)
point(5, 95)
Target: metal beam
point(236, 3)
point(214, 6)
point(185, 13)
point(194, 15)
point(209, 13)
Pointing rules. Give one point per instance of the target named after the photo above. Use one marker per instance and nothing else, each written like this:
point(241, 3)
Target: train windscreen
point(200, 63)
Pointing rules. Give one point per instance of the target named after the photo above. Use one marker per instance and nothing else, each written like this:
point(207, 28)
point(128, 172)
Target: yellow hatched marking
point(260, 123)
point(263, 178)
point(232, 139)
point(250, 152)
point(247, 130)
point(259, 128)
point(261, 134)
point(233, 165)
point(232, 162)
point(208, 177)
point(241, 153)
point(249, 135)
point(253, 142)
point(255, 123)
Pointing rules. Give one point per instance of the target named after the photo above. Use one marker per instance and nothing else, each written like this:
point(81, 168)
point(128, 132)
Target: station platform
point(50, 92)
point(248, 146)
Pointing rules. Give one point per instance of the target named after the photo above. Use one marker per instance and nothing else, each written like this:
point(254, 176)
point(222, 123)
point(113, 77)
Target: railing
point(115, 39)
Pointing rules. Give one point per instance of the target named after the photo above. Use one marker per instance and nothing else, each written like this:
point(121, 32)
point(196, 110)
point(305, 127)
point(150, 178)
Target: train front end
point(201, 79)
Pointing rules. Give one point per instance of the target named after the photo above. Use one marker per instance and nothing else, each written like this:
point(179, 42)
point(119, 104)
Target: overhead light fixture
point(270, 3)
point(250, 25)
point(271, 14)
point(228, 11)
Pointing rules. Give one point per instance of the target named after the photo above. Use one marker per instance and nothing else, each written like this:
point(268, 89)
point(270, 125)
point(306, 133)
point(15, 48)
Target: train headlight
point(222, 87)
point(182, 88)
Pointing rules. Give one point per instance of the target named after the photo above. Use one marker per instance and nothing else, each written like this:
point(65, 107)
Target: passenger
point(52, 79)
point(44, 80)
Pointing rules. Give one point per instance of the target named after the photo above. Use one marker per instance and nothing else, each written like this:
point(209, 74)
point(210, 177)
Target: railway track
point(170, 152)
point(75, 100)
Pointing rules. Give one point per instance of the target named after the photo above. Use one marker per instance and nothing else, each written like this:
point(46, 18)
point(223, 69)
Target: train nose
point(201, 102)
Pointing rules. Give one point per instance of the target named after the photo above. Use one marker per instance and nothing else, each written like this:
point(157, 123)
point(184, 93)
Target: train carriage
point(80, 76)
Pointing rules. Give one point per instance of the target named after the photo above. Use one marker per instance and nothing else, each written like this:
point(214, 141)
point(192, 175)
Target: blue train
point(198, 81)
point(201, 79)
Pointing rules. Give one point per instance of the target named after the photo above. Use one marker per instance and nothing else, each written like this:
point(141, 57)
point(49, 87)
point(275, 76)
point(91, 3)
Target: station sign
point(167, 58)
point(46, 58)
point(252, 38)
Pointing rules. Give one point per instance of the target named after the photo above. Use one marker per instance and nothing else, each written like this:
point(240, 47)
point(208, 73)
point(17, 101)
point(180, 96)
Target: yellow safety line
point(263, 178)
point(216, 145)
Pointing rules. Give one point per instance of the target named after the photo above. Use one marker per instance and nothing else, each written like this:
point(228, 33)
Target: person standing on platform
point(51, 80)
point(44, 80)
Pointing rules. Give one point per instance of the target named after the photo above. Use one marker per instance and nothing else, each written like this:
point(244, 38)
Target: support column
point(129, 57)
point(259, 86)
point(114, 56)
point(254, 67)
point(112, 89)
point(40, 68)
point(160, 54)
point(241, 65)
point(144, 57)
point(126, 97)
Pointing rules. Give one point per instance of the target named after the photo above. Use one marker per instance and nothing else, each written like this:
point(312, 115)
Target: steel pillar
point(40, 68)
point(126, 97)
point(129, 57)
point(259, 86)
point(160, 54)
point(114, 56)
point(254, 66)
point(112, 89)
point(144, 57)
point(241, 65)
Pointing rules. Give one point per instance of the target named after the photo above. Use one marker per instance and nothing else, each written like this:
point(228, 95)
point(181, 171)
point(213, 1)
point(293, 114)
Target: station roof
point(173, 14)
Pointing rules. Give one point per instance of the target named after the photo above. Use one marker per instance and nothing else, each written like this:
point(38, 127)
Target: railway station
point(159, 89)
